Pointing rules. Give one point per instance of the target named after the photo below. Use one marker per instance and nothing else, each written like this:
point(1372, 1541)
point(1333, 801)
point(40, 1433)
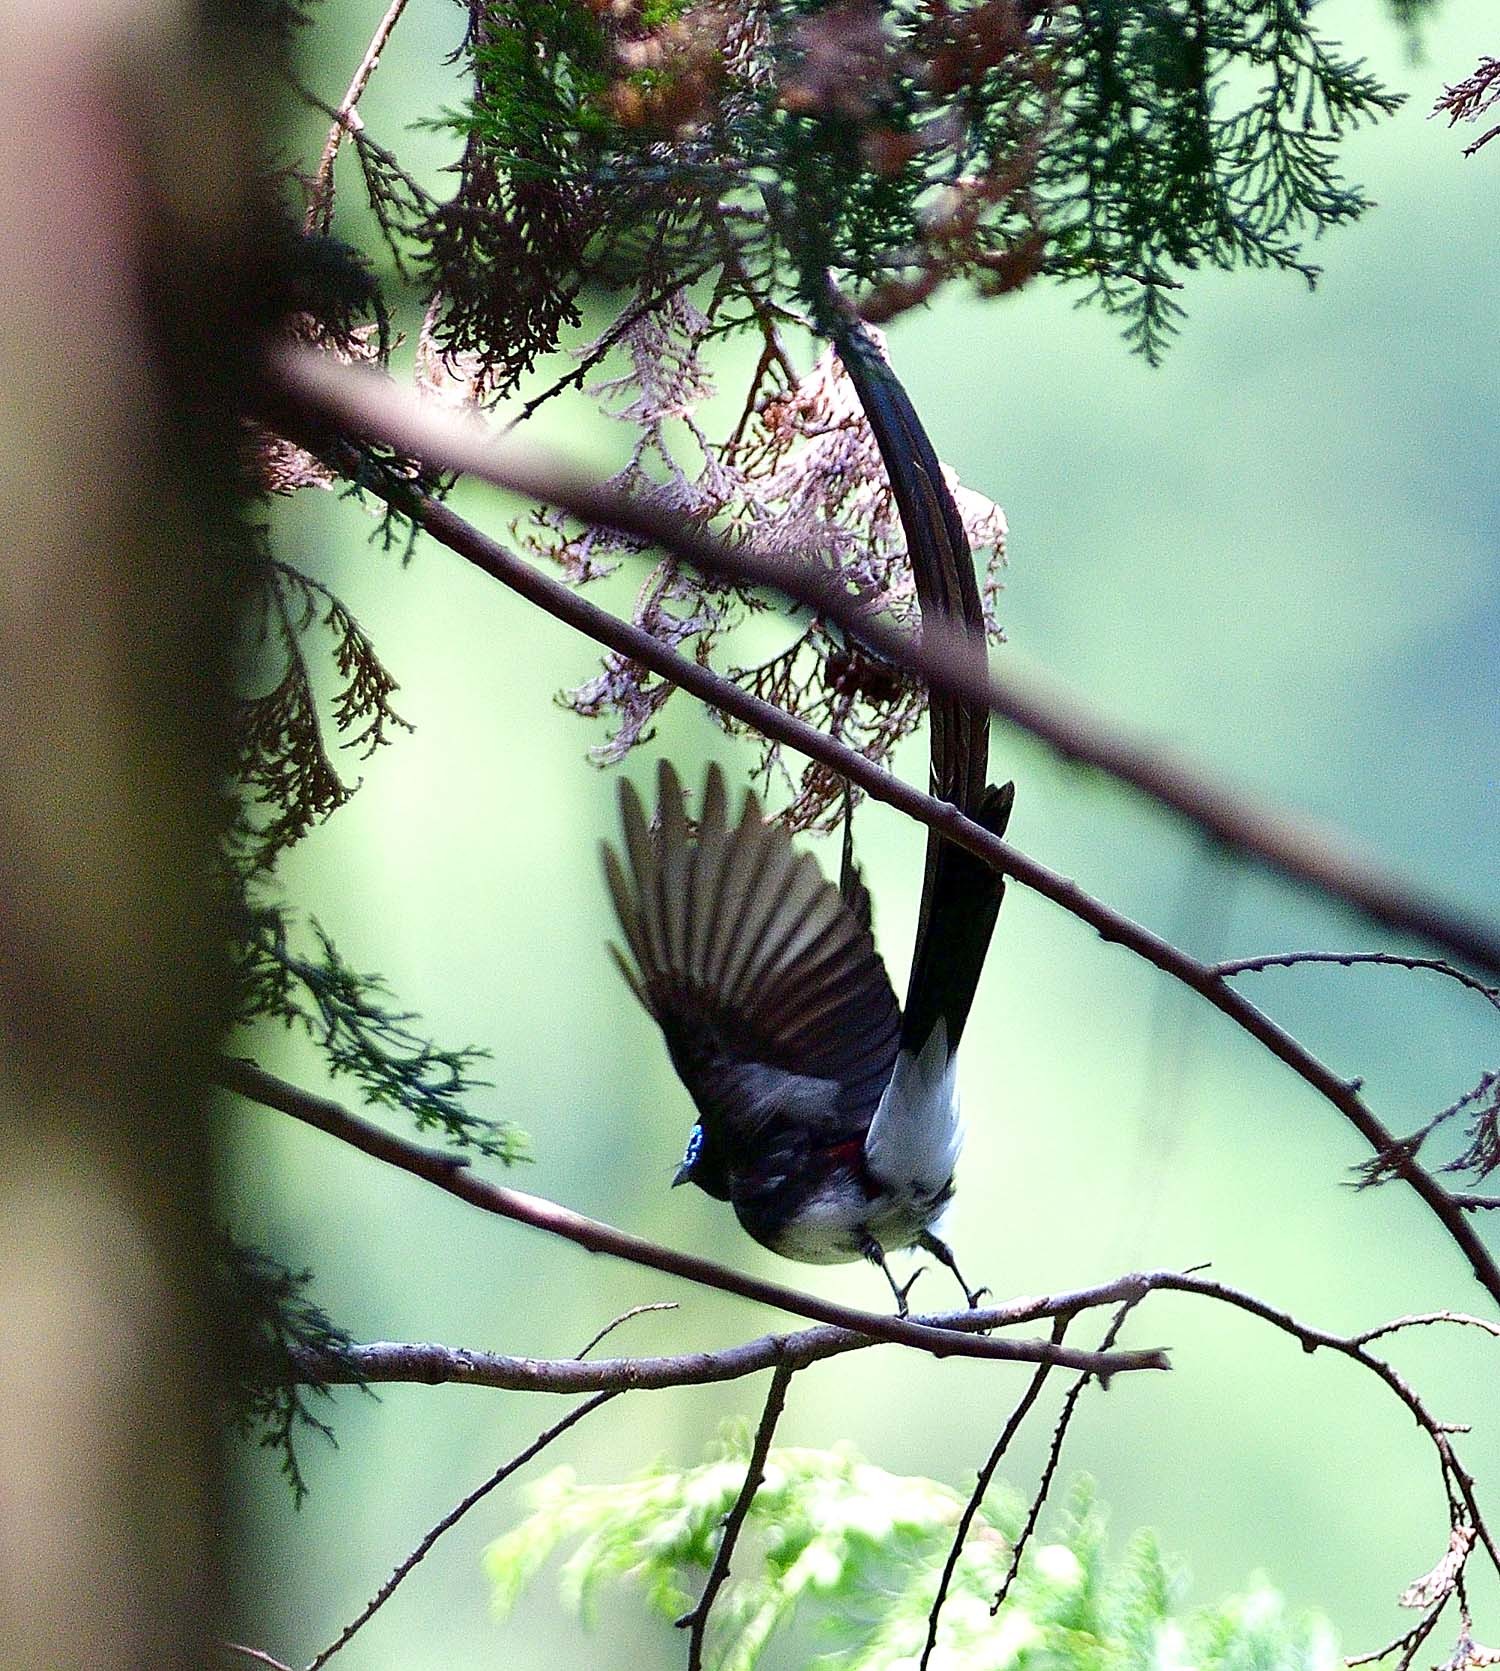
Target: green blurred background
point(1277, 552)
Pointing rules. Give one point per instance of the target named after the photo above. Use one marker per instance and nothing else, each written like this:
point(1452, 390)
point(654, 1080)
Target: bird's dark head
point(702, 1165)
point(691, 1158)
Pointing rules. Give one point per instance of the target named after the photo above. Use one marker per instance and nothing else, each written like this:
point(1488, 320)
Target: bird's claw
point(902, 1309)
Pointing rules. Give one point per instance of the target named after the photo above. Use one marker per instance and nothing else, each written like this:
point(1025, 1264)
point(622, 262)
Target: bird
point(827, 1115)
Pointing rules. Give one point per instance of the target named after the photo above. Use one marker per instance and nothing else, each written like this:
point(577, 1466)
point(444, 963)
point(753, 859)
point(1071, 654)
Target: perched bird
point(826, 1117)
point(826, 1120)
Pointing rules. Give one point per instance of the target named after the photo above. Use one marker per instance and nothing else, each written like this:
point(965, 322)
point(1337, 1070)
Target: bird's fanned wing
point(766, 985)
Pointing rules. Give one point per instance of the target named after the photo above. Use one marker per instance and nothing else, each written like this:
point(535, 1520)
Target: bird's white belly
point(838, 1223)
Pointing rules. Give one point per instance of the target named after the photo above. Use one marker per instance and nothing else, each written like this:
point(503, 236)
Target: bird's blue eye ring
point(693, 1150)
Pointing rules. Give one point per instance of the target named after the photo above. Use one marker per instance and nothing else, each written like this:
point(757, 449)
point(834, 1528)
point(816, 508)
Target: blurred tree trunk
point(118, 230)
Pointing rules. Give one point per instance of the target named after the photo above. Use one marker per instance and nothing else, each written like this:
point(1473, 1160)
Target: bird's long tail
point(960, 894)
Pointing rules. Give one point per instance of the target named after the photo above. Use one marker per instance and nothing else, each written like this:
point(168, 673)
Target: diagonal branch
point(977, 1495)
point(311, 388)
point(451, 1173)
point(451, 1519)
point(1054, 1458)
point(696, 1620)
point(1111, 925)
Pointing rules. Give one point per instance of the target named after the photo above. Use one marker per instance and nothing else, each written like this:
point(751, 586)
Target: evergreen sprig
point(859, 1550)
point(268, 1391)
point(1109, 145)
point(281, 760)
point(361, 1034)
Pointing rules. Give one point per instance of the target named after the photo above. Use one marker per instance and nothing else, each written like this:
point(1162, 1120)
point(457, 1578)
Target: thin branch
point(259, 1655)
point(1111, 925)
point(428, 1364)
point(1477, 1203)
point(1411, 1143)
point(320, 197)
point(981, 1487)
point(696, 1621)
point(1457, 1481)
point(1422, 1320)
point(452, 1173)
point(599, 351)
point(1407, 1643)
point(393, 1362)
point(1054, 1456)
point(360, 402)
point(451, 1519)
point(624, 1317)
point(1395, 960)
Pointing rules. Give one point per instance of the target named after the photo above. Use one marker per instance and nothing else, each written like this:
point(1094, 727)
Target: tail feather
point(960, 894)
point(960, 902)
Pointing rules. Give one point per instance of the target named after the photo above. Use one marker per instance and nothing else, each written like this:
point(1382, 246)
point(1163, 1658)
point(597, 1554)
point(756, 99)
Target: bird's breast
point(828, 1208)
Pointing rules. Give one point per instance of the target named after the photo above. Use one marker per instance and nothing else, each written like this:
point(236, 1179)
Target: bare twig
point(624, 1317)
point(1054, 1455)
point(360, 402)
point(1422, 1320)
point(1458, 1483)
point(259, 1655)
point(320, 198)
point(1411, 1143)
point(452, 1173)
point(981, 1487)
point(1394, 960)
point(451, 1519)
point(598, 351)
point(696, 1620)
point(437, 1365)
point(1407, 1643)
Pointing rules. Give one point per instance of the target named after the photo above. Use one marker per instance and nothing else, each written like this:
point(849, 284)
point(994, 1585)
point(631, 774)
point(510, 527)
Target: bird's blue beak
point(684, 1173)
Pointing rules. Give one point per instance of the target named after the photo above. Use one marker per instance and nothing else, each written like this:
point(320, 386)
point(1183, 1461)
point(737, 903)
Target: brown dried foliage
point(1467, 100)
point(801, 476)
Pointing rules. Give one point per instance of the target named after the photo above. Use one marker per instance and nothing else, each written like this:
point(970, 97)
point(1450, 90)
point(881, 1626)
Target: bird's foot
point(902, 1308)
point(940, 1250)
point(875, 1253)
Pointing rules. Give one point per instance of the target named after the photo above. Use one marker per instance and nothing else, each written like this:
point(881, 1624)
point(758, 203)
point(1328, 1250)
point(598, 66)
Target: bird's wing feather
point(765, 983)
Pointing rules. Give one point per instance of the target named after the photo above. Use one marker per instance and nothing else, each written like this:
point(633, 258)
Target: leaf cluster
point(1196, 132)
point(856, 1552)
point(1469, 99)
point(280, 755)
point(803, 474)
point(899, 144)
point(269, 1392)
point(362, 1034)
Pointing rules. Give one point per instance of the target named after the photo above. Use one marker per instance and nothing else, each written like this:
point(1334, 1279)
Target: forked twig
point(320, 198)
point(982, 1485)
point(1054, 1456)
